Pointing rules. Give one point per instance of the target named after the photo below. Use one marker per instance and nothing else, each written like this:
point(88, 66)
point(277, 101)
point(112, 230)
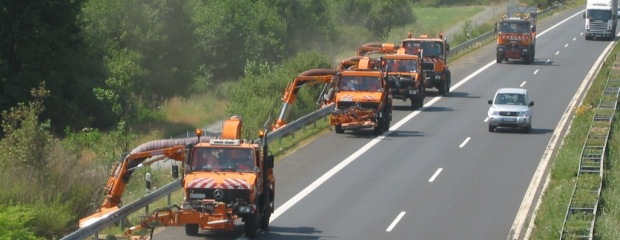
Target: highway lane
point(479, 189)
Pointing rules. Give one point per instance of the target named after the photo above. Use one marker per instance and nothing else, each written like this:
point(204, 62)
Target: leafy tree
point(39, 41)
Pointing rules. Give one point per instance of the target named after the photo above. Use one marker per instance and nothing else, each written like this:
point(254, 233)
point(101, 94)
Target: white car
point(510, 107)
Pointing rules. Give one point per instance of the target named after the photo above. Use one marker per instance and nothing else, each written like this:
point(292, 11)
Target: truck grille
point(345, 105)
point(227, 195)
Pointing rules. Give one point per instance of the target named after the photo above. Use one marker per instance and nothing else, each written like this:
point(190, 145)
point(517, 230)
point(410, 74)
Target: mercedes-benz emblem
point(218, 194)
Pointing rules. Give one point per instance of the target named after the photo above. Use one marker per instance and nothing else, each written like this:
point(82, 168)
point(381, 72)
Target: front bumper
point(506, 121)
point(512, 52)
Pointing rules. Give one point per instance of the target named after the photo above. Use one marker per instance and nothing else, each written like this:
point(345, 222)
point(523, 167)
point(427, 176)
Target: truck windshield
point(514, 27)
point(599, 14)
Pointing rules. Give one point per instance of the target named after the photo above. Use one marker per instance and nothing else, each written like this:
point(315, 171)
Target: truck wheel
point(338, 129)
point(499, 59)
point(266, 214)
point(415, 103)
point(443, 88)
point(191, 229)
point(378, 130)
point(448, 81)
point(250, 226)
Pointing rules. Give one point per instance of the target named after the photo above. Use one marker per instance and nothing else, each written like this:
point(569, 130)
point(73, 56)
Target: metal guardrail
point(582, 209)
point(288, 129)
point(125, 211)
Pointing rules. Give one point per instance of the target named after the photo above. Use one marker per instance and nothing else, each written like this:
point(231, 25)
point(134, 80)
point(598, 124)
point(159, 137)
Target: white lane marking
point(535, 72)
point(558, 52)
point(464, 142)
point(566, 45)
point(522, 84)
point(548, 61)
point(435, 175)
point(575, 38)
point(326, 176)
point(547, 155)
point(581, 33)
point(486, 119)
point(528, 198)
point(396, 220)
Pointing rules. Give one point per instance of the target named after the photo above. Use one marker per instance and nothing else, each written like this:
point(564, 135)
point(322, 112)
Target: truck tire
point(499, 58)
point(338, 129)
point(448, 81)
point(191, 230)
point(266, 213)
point(378, 130)
point(444, 87)
point(250, 225)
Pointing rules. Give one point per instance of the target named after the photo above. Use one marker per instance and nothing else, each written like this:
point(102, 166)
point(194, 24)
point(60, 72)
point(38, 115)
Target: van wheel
point(491, 128)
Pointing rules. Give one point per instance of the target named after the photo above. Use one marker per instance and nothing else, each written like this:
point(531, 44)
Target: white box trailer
point(601, 19)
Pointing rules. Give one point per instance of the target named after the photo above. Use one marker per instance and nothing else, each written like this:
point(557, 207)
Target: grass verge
point(564, 169)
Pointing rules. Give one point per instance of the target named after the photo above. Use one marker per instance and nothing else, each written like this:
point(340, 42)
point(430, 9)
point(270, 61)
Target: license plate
point(509, 120)
point(197, 195)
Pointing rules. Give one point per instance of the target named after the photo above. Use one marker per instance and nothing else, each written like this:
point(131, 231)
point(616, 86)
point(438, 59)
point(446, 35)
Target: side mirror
point(584, 15)
point(533, 28)
point(531, 103)
point(490, 101)
point(175, 171)
point(447, 47)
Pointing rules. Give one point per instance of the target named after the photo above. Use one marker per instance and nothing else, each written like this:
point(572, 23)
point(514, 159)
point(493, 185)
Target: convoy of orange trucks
point(516, 35)
point(361, 88)
point(238, 184)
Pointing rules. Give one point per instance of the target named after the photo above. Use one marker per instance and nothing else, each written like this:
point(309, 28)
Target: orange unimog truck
point(434, 52)
point(405, 75)
point(516, 35)
point(239, 183)
point(363, 99)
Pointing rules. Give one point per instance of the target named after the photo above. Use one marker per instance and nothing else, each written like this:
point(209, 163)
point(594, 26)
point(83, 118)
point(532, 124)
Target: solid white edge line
point(326, 176)
point(528, 198)
point(464, 142)
point(432, 179)
point(590, 75)
point(396, 220)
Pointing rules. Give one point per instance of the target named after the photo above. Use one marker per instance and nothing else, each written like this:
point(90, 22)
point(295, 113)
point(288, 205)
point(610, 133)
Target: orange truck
point(363, 98)
point(434, 53)
point(237, 182)
point(358, 89)
point(405, 75)
point(516, 35)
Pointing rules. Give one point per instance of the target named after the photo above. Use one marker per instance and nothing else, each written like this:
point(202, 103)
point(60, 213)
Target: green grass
point(564, 179)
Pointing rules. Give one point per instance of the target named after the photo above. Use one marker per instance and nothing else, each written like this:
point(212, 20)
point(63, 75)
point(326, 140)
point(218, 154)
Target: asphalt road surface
point(438, 173)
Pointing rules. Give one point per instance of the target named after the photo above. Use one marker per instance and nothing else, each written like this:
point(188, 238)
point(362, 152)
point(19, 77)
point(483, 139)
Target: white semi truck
point(601, 19)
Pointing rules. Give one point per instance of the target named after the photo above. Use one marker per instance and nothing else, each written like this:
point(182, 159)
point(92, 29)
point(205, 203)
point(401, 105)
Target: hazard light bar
point(225, 141)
